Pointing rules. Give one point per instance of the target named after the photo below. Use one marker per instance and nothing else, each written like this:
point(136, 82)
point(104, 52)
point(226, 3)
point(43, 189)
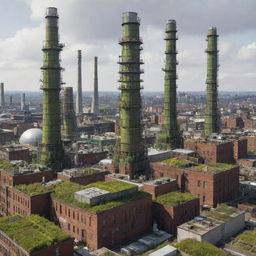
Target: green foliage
point(32, 233)
point(34, 189)
point(7, 166)
point(213, 167)
point(65, 192)
point(196, 248)
point(174, 198)
point(174, 162)
point(246, 241)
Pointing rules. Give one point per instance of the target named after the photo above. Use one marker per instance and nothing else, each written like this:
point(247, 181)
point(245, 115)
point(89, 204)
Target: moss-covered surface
point(7, 166)
point(65, 192)
point(196, 248)
point(246, 241)
point(223, 212)
point(34, 189)
point(32, 233)
point(213, 167)
point(174, 198)
point(174, 162)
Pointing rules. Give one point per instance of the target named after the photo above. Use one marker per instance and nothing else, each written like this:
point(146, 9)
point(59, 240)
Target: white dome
point(31, 137)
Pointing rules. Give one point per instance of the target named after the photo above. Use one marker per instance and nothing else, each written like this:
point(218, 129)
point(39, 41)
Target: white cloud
point(247, 52)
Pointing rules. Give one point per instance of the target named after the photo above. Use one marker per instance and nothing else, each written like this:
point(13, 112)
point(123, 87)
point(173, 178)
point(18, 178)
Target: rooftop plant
point(174, 162)
point(246, 241)
point(34, 189)
point(7, 166)
point(213, 167)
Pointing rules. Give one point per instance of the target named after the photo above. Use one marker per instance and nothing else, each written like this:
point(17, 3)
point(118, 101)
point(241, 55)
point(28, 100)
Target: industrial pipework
point(211, 111)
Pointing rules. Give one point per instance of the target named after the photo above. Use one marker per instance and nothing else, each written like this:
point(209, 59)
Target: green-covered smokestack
point(169, 138)
point(211, 111)
point(51, 151)
point(68, 114)
point(131, 148)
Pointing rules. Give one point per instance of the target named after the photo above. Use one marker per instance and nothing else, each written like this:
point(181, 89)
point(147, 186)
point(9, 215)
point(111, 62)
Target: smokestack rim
point(51, 12)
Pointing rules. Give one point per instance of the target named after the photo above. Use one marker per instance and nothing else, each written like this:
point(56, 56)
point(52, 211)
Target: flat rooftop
point(160, 181)
point(223, 212)
point(35, 188)
point(183, 151)
point(212, 167)
point(195, 248)
point(79, 172)
point(34, 232)
point(65, 192)
point(13, 148)
point(174, 198)
point(245, 241)
point(176, 162)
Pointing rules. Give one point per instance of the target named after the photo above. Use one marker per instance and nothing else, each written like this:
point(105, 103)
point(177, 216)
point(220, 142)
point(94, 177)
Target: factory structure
point(134, 198)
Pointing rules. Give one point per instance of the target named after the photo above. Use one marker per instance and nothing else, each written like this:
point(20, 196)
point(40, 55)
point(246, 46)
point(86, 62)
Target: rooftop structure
point(51, 151)
point(131, 153)
point(79, 172)
point(65, 192)
point(79, 93)
point(32, 233)
point(31, 137)
point(170, 138)
point(211, 111)
point(174, 198)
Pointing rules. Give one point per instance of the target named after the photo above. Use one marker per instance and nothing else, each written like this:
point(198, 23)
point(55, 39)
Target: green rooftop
point(34, 189)
point(223, 212)
point(174, 198)
point(32, 233)
point(7, 166)
point(65, 192)
point(196, 248)
point(212, 167)
point(246, 241)
point(175, 162)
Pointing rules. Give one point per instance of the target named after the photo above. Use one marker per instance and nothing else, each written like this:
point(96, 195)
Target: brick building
point(85, 158)
point(110, 222)
point(173, 209)
point(213, 183)
point(34, 236)
point(16, 152)
point(11, 176)
point(83, 176)
point(235, 122)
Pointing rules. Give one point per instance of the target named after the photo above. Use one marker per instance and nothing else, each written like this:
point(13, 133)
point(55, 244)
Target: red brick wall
point(251, 143)
point(22, 154)
point(90, 158)
point(240, 148)
point(85, 180)
point(168, 217)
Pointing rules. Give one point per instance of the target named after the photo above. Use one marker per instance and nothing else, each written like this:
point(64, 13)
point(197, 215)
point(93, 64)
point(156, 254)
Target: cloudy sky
point(95, 27)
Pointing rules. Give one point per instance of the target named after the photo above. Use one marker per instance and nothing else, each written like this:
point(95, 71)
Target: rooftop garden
point(213, 167)
point(34, 189)
point(246, 241)
point(174, 162)
point(174, 198)
point(223, 212)
point(196, 248)
point(7, 166)
point(34, 233)
point(65, 192)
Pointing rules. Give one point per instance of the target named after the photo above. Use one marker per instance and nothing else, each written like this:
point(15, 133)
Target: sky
point(94, 26)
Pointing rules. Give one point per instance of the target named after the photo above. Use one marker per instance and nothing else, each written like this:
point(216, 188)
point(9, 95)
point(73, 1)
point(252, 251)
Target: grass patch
point(223, 212)
point(174, 198)
point(196, 248)
point(65, 192)
point(7, 166)
point(34, 189)
point(246, 241)
point(32, 233)
point(213, 167)
point(174, 162)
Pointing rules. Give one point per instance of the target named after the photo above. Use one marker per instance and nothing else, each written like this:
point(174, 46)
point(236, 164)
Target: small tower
point(2, 101)
point(95, 98)
point(79, 93)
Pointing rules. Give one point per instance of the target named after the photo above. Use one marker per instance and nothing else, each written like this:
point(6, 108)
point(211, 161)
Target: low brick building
point(173, 209)
point(111, 222)
point(86, 158)
point(16, 152)
point(83, 176)
point(34, 236)
point(213, 183)
point(235, 122)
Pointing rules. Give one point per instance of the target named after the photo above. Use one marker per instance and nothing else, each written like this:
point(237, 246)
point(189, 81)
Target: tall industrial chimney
point(68, 113)
point(10, 101)
point(170, 137)
point(95, 98)
point(132, 153)
point(2, 103)
point(79, 93)
point(23, 101)
point(51, 150)
point(211, 111)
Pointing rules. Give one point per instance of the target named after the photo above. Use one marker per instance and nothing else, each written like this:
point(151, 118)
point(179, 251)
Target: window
point(69, 226)
point(204, 184)
point(204, 198)
point(198, 183)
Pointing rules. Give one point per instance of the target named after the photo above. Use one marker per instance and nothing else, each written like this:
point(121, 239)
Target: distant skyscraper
point(95, 98)
point(211, 111)
point(2, 103)
point(79, 93)
point(51, 150)
point(23, 101)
